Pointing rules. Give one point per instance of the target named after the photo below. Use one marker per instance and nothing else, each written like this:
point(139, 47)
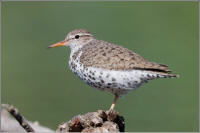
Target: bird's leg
point(114, 102)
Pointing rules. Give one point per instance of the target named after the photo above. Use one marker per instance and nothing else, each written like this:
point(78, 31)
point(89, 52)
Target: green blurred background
point(39, 83)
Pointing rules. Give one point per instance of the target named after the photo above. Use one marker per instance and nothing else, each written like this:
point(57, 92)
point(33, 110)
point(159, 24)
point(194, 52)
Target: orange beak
point(62, 43)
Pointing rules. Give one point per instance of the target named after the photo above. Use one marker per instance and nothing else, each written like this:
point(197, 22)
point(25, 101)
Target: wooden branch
point(9, 123)
point(15, 113)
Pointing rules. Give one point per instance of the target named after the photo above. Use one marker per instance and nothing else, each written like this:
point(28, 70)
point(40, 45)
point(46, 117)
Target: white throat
point(75, 47)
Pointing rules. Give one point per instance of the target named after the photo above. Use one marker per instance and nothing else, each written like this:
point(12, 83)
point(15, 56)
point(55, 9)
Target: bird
point(108, 66)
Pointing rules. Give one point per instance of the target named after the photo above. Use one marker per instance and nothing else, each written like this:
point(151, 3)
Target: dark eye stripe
point(78, 37)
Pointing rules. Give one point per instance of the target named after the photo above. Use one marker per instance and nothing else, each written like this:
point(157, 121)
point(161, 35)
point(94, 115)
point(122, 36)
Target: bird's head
point(75, 39)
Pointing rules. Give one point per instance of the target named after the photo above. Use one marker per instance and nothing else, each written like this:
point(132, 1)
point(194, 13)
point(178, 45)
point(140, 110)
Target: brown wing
point(110, 56)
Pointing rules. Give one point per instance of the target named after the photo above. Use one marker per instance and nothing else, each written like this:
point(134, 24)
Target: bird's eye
point(77, 36)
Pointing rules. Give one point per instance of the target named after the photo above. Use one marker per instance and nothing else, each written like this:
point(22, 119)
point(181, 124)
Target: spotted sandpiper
point(109, 67)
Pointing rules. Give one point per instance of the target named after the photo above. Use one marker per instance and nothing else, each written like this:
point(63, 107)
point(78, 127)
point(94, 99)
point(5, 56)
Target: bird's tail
point(167, 75)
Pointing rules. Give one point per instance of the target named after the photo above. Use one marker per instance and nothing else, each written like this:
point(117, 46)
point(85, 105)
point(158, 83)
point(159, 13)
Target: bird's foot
point(111, 114)
point(111, 111)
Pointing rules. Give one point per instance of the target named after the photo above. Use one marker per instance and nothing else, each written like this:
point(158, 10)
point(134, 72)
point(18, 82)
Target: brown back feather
point(106, 55)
